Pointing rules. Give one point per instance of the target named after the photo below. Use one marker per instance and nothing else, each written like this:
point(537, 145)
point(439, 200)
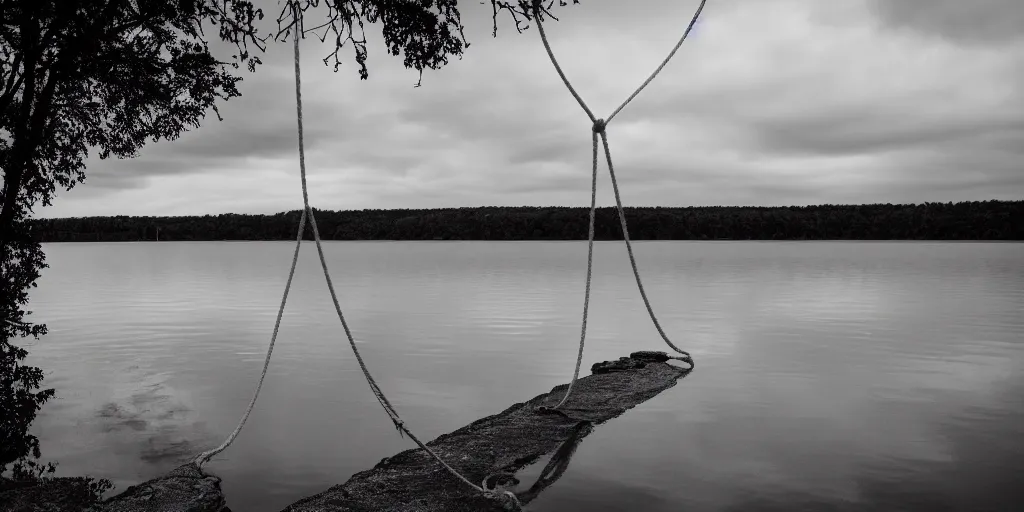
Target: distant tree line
point(988, 220)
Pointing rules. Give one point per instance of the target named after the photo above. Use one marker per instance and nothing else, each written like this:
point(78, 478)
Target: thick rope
point(508, 497)
point(590, 267)
point(202, 458)
point(551, 55)
point(629, 249)
point(598, 128)
point(693, 21)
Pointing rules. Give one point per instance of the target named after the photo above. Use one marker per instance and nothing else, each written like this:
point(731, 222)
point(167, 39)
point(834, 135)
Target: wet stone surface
point(187, 488)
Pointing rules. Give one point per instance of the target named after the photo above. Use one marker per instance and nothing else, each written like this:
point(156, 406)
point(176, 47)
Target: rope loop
point(508, 499)
point(491, 482)
point(498, 492)
point(599, 125)
point(687, 358)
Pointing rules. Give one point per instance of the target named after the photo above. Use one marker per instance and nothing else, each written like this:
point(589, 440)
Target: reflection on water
point(830, 376)
point(553, 468)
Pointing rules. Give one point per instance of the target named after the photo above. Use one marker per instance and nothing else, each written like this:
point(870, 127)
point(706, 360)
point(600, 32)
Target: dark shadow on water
point(601, 496)
point(156, 425)
point(165, 448)
point(549, 473)
point(556, 465)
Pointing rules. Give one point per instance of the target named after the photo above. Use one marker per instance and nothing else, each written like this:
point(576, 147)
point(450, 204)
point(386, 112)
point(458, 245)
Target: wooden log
point(498, 446)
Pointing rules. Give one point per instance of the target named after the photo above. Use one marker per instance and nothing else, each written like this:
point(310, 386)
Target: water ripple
point(832, 375)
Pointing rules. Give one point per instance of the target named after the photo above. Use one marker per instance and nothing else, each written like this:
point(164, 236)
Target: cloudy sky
point(769, 102)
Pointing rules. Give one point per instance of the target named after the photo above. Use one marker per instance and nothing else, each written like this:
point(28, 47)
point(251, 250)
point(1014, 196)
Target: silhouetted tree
point(104, 75)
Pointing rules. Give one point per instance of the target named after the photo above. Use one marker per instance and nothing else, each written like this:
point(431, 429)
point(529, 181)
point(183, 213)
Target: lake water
point(830, 376)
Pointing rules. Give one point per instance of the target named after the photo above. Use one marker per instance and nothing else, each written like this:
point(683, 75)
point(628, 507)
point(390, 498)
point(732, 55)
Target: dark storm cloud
point(368, 124)
point(974, 21)
point(768, 102)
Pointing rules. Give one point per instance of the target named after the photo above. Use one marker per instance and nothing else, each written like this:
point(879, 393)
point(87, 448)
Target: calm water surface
point(830, 376)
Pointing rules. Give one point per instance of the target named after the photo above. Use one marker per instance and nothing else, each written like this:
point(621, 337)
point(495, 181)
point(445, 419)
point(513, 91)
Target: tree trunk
point(34, 115)
point(28, 136)
point(14, 170)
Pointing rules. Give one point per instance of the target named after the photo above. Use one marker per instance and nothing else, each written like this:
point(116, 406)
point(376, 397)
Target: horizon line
point(443, 208)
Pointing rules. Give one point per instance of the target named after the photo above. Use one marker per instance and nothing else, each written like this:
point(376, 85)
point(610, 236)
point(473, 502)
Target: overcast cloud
point(769, 102)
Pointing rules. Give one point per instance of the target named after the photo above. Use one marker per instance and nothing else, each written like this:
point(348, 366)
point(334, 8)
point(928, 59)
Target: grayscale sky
point(769, 102)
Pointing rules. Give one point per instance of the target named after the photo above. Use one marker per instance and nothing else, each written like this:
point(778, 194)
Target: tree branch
point(12, 85)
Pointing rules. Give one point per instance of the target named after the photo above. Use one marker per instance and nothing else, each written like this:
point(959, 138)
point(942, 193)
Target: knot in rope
point(599, 130)
point(508, 499)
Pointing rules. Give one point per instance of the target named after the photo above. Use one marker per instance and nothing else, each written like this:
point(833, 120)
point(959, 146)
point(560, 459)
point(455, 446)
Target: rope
point(629, 249)
point(508, 497)
point(598, 128)
point(590, 268)
point(568, 85)
point(693, 21)
point(204, 457)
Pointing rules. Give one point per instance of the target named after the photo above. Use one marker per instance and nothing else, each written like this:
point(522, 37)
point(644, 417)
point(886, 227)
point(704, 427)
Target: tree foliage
point(427, 32)
point(103, 76)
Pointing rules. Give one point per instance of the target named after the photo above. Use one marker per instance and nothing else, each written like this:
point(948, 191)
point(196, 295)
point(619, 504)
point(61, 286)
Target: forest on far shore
point(979, 220)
